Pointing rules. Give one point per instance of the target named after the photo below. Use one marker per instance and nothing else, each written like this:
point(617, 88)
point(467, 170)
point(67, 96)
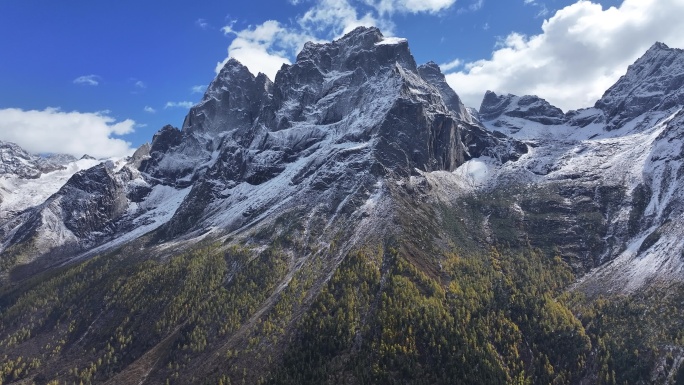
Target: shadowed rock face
point(83, 212)
point(92, 200)
point(232, 101)
point(433, 75)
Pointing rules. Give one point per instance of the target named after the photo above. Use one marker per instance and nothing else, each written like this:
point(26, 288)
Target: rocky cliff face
point(349, 114)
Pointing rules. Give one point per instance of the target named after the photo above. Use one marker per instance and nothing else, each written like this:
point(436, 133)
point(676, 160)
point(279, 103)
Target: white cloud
point(582, 51)
point(202, 24)
point(149, 109)
point(179, 104)
point(450, 65)
point(75, 133)
point(334, 18)
point(543, 11)
point(411, 6)
point(198, 89)
point(89, 80)
point(476, 5)
point(263, 48)
point(140, 84)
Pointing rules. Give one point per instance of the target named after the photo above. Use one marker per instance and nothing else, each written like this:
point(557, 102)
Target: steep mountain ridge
point(652, 83)
point(252, 147)
point(620, 160)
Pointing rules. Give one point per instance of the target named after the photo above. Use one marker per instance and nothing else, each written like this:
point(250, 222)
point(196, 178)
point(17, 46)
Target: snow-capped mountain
point(347, 115)
point(323, 136)
point(26, 180)
point(620, 160)
point(16, 161)
point(354, 207)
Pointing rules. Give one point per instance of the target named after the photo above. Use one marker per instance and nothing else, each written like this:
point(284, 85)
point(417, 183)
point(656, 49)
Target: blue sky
point(101, 77)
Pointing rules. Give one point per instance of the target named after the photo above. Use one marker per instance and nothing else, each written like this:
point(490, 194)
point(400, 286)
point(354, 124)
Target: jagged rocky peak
point(173, 155)
point(99, 193)
point(165, 139)
point(232, 101)
point(362, 88)
point(14, 160)
point(364, 48)
point(654, 82)
point(140, 155)
point(323, 75)
point(345, 112)
point(528, 107)
point(432, 74)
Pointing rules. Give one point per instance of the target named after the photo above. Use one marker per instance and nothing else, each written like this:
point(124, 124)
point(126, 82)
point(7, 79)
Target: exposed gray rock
point(528, 107)
point(432, 74)
point(361, 91)
point(14, 160)
point(655, 82)
point(92, 200)
point(140, 155)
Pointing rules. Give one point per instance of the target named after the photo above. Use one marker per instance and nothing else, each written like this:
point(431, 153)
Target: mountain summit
point(344, 115)
point(654, 82)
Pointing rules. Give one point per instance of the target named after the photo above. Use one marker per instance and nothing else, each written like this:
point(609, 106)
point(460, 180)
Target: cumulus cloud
point(140, 84)
point(582, 50)
point(76, 133)
point(88, 80)
point(149, 109)
point(179, 104)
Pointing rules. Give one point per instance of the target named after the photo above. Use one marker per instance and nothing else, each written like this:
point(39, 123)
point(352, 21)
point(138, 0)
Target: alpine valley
point(351, 222)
